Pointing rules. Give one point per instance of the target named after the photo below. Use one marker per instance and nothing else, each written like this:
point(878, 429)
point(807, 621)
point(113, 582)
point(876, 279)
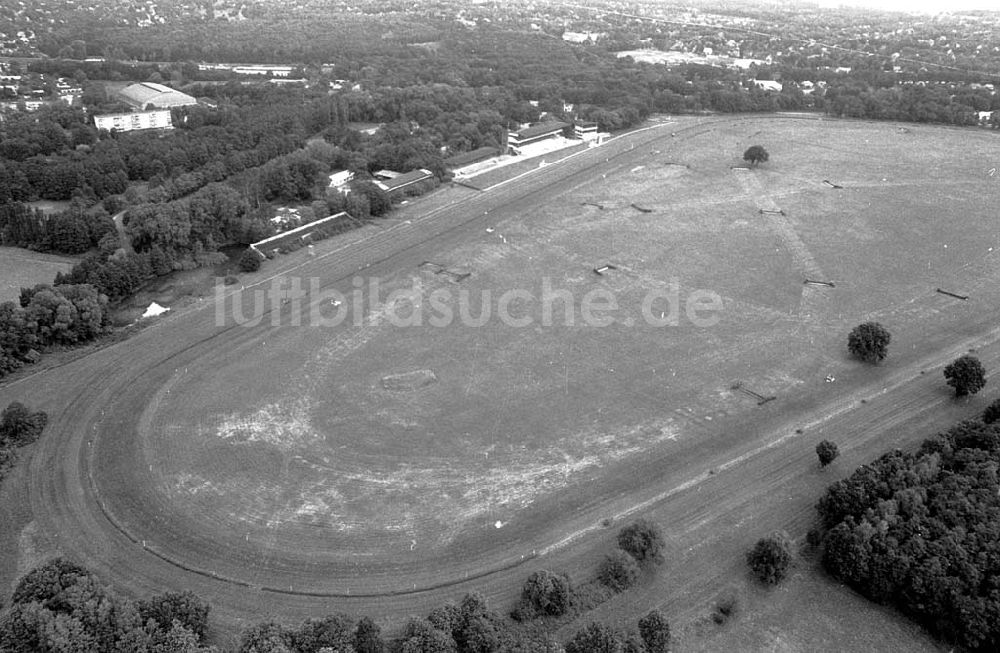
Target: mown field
point(20, 268)
point(295, 455)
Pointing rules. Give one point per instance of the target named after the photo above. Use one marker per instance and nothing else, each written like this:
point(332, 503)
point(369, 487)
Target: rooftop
point(541, 129)
point(465, 158)
point(145, 93)
point(406, 178)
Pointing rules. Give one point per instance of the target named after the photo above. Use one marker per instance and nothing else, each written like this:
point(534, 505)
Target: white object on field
point(155, 309)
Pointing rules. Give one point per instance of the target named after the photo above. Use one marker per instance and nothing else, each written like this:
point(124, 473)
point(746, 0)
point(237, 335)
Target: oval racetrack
point(95, 491)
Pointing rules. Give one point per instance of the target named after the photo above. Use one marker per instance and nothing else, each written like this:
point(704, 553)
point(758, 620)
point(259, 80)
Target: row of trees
point(62, 607)
point(73, 231)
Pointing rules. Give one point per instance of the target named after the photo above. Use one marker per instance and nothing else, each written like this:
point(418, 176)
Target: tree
point(266, 638)
point(249, 261)
point(643, 540)
point(420, 636)
point(618, 571)
point(184, 607)
point(379, 202)
point(770, 558)
point(546, 593)
point(655, 632)
point(47, 581)
point(368, 637)
point(755, 154)
point(966, 374)
point(19, 425)
point(596, 638)
point(869, 341)
point(335, 632)
point(827, 452)
point(992, 412)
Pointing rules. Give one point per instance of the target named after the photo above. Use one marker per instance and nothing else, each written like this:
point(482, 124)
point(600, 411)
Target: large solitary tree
point(755, 154)
point(869, 341)
point(966, 374)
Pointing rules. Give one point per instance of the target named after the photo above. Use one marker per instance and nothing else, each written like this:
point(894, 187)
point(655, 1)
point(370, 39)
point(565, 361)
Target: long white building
point(126, 122)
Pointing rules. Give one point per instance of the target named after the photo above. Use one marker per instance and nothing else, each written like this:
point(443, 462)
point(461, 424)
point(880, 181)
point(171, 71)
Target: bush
point(20, 426)
point(827, 452)
point(618, 571)
point(643, 540)
point(724, 608)
point(770, 558)
point(756, 154)
point(249, 261)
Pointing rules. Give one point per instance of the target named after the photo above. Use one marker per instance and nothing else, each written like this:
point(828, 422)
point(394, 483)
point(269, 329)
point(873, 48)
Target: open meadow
point(21, 268)
point(488, 401)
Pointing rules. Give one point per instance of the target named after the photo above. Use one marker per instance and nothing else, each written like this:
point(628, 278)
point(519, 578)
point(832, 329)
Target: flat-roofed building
point(149, 95)
point(463, 159)
point(135, 121)
point(402, 181)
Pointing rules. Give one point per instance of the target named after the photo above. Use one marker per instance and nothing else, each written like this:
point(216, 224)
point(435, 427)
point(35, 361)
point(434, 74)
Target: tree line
point(46, 316)
point(61, 606)
point(921, 531)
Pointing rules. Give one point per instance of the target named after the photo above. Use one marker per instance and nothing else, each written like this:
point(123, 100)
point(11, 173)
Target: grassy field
point(520, 415)
point(289, 453)
point(22, 268)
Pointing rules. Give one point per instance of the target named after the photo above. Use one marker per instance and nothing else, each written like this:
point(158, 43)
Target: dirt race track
point(297, 478)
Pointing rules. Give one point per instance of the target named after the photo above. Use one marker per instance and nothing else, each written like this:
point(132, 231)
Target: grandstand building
point(149, 95)
point(519, 140)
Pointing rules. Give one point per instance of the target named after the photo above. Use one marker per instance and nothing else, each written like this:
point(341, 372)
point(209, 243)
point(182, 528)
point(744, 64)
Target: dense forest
point(921, 531)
